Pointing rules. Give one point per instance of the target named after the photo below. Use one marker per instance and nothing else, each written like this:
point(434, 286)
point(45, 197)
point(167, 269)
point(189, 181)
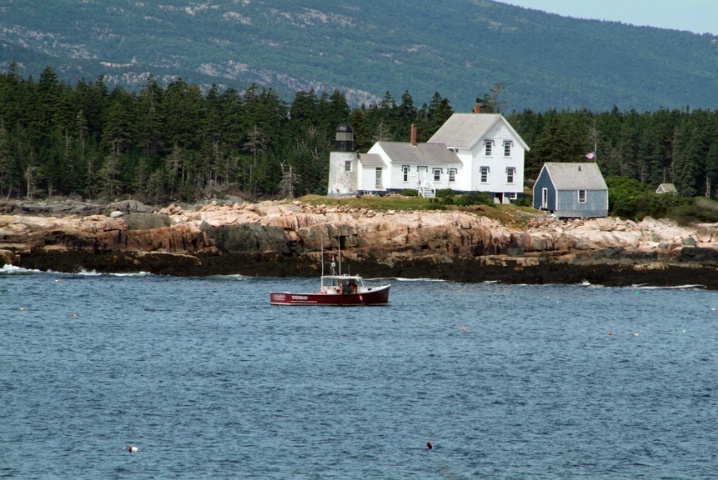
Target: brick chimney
point(413, 134)
point(477, 108)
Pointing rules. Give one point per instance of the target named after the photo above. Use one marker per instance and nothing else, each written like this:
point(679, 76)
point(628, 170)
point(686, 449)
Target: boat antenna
point(321, 240)
point(339, 237)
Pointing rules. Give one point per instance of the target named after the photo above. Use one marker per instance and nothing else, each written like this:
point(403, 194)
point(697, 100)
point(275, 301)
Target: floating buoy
point(429, 445)
point(635, 334)
point(58, 281)
point(463, 329)
point(22, 308)
point(74, 315)
point(610, 334)
point(133, 449)
point(361, 299)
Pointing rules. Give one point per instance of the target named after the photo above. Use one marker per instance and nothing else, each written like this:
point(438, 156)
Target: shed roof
point(419, 154)
point(576, 176)
point(371, 160)
point(464, 130)
point(666, 188)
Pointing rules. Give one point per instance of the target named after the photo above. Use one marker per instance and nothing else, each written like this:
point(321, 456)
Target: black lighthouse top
point(344, 140)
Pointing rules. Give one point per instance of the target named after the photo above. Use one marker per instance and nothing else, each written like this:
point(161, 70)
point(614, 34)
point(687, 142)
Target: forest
point(178, 143)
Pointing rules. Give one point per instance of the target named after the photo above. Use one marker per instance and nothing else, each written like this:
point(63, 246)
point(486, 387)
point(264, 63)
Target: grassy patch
point(509, 215)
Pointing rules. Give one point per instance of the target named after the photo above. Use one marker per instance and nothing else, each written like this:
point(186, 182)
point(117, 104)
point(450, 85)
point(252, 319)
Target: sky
point(698, 16)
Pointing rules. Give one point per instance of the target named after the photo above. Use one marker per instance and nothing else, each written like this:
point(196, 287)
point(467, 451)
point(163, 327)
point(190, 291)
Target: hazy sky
point(699, 16)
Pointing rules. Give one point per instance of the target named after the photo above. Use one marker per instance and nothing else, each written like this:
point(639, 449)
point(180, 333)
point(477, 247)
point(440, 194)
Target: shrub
point(410, 192)
point(523, 202)
point(467, 199)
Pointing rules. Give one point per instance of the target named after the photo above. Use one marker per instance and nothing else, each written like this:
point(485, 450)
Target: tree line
point(178, 143)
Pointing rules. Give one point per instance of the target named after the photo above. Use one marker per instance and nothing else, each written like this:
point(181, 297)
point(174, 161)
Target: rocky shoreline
point(286, 239)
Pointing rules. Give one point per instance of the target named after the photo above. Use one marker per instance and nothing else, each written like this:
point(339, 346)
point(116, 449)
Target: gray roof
point(667, 188)
point(464, 130)
point(419, 154)
point(371, 160)
point(576, 176)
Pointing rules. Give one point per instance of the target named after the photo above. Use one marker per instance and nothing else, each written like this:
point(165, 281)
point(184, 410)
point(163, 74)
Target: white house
point(471, 152)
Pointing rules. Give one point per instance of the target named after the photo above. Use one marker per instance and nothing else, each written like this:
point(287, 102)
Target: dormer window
point(489, 145)
point(507, 147)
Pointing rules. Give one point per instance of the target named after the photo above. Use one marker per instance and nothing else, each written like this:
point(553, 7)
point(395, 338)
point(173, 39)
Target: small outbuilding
point(667, 188)
point(571, 190)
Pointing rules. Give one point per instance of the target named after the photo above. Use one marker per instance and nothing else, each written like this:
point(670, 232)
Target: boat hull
point(370, 297)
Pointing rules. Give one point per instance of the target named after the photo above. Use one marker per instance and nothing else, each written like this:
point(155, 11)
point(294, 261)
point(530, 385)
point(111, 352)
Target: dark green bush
point(467, 199)
point(523, 202)
point(410, 192)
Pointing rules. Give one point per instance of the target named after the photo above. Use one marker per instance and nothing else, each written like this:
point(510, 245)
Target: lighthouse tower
point(343, 163)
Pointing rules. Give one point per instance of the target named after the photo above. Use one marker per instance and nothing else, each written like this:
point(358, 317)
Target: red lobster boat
point(336, 290)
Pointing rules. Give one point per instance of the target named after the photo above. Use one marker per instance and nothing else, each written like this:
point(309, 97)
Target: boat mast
point(339, 238)
point(321, 240)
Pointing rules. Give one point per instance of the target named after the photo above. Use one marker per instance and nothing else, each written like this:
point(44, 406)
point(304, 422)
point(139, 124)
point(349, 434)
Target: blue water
point(209, 381)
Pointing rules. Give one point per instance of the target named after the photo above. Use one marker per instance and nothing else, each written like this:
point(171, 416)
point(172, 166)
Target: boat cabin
point(342, 284)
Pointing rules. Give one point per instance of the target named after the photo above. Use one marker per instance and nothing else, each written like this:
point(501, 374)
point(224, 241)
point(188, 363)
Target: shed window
point(437, 174)
point(582, 196)
point(348, 166)
point(405, 172)
point(452, 174)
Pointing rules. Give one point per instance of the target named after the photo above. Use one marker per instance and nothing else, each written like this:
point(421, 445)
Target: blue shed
point(571, 190)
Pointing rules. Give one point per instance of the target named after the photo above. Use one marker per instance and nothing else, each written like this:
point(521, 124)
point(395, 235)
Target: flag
point(591, 155)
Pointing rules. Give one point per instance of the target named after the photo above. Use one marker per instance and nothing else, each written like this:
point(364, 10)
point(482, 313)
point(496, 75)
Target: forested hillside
point(178, 143)
point(460, 48)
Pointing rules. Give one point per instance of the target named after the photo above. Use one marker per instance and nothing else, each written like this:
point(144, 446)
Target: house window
point(510, 172)
point(489, 144)
point(484, 174)
point(437, 174)
point(513, 195)
point(348, 166)
point(378, 178)
point(452, 174)
point(582, 196)
point(507, 148)
point(405, 172)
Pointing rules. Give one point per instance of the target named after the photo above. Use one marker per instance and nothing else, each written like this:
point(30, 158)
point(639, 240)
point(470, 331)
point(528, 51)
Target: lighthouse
point(343, 163)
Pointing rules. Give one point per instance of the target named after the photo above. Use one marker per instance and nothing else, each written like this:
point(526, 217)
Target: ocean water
point(208, 380)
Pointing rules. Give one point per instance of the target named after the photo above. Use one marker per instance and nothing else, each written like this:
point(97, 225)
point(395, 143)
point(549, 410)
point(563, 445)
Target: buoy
point(361, 299)
point(74, 314)
point(133, 449)
point(22, 308)
point(610, 334)
point(635, 334)
point(429, 445)
point(463, 329)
